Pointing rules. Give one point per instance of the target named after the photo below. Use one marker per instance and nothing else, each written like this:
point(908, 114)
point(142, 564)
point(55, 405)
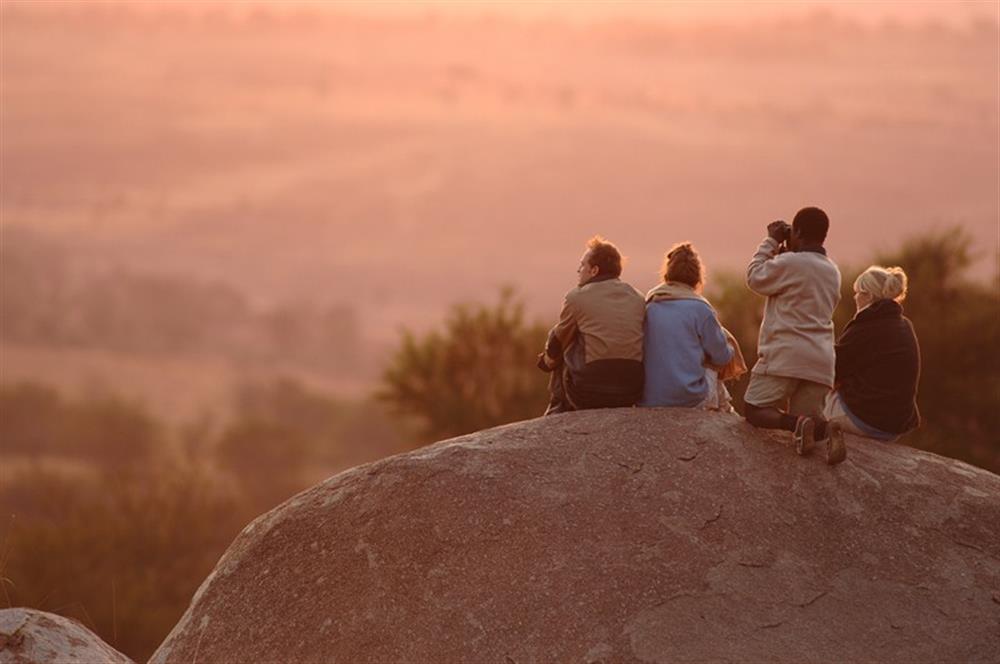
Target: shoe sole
point(803, 436)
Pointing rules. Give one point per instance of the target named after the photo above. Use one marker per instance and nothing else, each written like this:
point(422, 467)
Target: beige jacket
point(796, 336)
point(606, 315)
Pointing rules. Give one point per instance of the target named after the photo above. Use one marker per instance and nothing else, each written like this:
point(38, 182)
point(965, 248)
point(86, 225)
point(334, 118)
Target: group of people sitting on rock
point(612, 347)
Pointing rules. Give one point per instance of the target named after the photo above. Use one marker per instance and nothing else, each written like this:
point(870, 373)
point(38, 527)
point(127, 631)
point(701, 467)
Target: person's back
point(797, 334)
point(679, 334)
point(594, 352)
point(605, 361)
point(878, 359)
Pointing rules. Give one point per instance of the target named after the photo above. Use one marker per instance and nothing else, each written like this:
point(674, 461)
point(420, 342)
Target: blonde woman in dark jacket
point(878, 362)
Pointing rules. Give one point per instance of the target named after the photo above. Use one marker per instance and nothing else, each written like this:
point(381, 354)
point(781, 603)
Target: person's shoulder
point(574, 293)
point(801, 257)
point(785, 260)
point(699, 310)
point(632, 290)
point(819, 257)
point(704, 308)
point(615, 284)
point(811, 260)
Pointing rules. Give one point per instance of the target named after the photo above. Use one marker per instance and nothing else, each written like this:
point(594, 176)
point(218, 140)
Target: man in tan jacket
point(795, 356)
point(594, 352)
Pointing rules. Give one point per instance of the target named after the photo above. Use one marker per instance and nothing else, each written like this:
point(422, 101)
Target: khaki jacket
point(796, 335)
point(599, 338)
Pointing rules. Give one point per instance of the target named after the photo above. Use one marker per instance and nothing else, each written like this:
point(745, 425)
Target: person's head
point(809, 228)
point(879, 283)
point(601, 259)
point(683, 264)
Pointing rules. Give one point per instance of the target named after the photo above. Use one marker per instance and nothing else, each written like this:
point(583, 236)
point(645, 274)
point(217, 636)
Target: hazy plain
point(397, 162)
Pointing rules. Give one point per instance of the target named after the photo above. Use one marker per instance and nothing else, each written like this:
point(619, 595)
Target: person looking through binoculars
point(795, 350)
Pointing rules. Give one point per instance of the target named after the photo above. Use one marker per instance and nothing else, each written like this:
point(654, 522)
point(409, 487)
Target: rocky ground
point(648, 535)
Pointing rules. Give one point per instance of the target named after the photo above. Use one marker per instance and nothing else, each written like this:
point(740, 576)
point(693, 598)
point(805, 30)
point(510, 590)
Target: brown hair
point(605, 256)
point(683, 264)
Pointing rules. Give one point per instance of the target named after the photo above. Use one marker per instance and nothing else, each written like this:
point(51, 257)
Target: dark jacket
point(878, 368)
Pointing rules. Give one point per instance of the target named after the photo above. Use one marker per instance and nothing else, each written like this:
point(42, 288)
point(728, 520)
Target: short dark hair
point(812, 224)
point(605, 256)
point(682, 263)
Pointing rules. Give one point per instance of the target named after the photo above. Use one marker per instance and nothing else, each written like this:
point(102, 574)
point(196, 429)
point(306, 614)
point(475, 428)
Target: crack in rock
point(673, 597)
point(812, 601)
point(632, 469)
point(974, 547)
point(967, 545)
point(718, 515)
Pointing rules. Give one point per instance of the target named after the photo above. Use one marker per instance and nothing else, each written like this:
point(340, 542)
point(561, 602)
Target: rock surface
point(28, 636)
point(646, 535)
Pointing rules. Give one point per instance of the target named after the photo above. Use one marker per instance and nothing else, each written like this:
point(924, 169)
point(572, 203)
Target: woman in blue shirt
point(682, 336)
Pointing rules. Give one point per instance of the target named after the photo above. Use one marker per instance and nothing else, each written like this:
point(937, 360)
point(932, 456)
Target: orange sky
point(669, 10)
point(354, 152)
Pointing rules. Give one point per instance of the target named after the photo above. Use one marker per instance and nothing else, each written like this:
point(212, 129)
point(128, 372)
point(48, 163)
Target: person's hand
point(778, 230)
point(543, 363)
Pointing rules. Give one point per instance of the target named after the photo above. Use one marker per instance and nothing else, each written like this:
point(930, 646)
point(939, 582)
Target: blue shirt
point(679, 336)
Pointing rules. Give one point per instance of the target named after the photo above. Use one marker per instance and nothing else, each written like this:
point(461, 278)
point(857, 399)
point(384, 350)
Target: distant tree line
point(48, 298)
point(113, 518)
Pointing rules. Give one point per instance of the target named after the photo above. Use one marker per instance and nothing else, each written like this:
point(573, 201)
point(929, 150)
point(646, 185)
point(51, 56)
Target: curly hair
point(812, 224)
point(605, 256)
point(683, 264)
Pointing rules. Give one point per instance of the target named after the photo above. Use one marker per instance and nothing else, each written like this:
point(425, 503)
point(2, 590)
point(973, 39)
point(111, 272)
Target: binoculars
point(784, 232)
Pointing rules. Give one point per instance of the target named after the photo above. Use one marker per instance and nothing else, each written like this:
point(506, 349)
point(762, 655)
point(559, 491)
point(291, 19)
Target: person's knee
point(754, 414)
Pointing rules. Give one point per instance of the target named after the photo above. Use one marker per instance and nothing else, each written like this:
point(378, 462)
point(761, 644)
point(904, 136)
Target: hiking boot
point(836, 450)
point(803, 436)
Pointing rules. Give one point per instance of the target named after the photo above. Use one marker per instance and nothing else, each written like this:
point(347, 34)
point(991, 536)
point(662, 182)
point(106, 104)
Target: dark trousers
point(559, 401)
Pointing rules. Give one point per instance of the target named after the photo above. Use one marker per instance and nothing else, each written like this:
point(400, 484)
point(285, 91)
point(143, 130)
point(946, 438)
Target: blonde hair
point(682, 263)
point(887, 283)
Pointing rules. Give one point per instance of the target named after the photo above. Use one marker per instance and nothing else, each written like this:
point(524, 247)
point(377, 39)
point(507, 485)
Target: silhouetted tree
point(957, 321)
point(478, 372)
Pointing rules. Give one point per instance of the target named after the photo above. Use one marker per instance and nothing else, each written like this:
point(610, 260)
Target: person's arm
point(851, 351)
point(765, 275)
point(561, 334)
point(737, 366)
point(714, 341)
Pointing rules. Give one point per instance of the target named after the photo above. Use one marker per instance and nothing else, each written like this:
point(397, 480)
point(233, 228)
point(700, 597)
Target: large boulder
point(28, 636)
point(632, 535)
